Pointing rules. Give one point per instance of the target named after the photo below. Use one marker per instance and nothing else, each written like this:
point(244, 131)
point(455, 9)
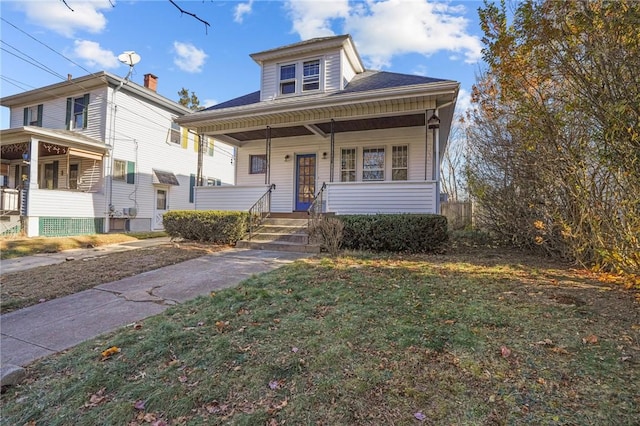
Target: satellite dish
point(129, 58)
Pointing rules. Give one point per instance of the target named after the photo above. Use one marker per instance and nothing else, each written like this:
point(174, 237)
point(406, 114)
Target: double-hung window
point(399, 162)
point(299, 77)
point(288, 79)
point(77, 112)
point(372, 164)
point(124, 171)
point(311, 75)
point(174, 133)
point(348, 165)
point(33, 116)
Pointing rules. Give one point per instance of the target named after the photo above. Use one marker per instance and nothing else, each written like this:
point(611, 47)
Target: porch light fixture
point(433, 122)
point(25, 157)
point(287, 157)
point(324, 155)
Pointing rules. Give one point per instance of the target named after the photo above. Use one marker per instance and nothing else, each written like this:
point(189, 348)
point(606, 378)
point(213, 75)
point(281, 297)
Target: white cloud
point(387, 28)
point(54, 15)
point(313, 18)
point(464, 102)
point(242, 9)
point(208, 103)
point(94, 55)
point(188, 57)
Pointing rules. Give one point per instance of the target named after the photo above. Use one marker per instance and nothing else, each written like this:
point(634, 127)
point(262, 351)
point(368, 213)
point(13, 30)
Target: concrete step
point(300, 238)
point(278, 246)
point(283, 229)
point(285, 222)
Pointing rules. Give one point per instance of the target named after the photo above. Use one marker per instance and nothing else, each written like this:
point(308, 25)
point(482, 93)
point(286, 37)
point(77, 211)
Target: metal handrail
point(315, 209)
point(260, 210)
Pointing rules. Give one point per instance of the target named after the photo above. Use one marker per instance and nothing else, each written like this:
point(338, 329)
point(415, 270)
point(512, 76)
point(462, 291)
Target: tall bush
point(220, 227)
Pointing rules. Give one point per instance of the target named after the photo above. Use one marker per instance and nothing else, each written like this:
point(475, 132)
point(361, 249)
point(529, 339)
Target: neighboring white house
point(99, 153)
point(374, 138)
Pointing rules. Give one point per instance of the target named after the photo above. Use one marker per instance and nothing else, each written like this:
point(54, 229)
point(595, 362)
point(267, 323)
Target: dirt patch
point(25, 288)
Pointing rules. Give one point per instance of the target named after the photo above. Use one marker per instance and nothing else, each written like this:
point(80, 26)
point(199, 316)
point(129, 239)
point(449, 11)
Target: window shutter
point(85, 113)
point(40, 109)
point(25, 121)
point(192, 184)
point(196, 142)
point(69, 110)
point(131, 172)
point(185, 138)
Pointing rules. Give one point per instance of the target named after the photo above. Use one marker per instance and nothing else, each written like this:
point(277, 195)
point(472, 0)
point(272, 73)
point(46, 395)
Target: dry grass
point(17, 247)
point(24, 288)
point(480, 337)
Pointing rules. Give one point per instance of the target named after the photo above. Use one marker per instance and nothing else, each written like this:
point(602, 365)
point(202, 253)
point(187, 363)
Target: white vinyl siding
point(381, 197)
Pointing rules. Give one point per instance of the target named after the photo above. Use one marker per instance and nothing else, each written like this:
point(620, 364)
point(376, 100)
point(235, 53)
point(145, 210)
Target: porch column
point(267, 175)
point(33, 223)
point(332, 152)
point(33, 163)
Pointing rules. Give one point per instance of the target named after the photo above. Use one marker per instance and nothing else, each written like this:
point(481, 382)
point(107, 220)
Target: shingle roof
point(367, 81)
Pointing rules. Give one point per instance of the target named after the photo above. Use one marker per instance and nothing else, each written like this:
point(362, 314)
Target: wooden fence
point(459, 214)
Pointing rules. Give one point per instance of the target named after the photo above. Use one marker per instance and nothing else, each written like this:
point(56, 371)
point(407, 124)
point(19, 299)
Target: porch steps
point(282, 233)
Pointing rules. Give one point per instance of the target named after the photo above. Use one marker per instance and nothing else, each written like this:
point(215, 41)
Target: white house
point(322, 127)
point(100, 153)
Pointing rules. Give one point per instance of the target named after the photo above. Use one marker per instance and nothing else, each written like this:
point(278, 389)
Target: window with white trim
point(298, 77)
point(311, 75)
point(372, 164)
point(174, 133)
point(399, 162)
point(119, 170)
point(287, 79)
point(348, 165)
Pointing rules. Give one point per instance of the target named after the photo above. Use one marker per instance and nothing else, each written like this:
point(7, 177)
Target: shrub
point(220, 227)
point(328, 232)
point(412, 233)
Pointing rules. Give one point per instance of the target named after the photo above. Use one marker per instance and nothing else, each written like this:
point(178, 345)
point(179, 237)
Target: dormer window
point(288, 79)
point(311, 77)
point(300, 77)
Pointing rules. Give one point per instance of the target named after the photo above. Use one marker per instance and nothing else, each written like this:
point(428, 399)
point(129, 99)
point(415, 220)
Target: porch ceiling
point(356, 125)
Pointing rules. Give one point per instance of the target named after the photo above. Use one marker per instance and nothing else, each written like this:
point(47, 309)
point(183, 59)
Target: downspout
point(332, 152)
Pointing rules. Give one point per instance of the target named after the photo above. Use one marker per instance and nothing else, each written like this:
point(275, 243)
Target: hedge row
point(411, 233)
point(219, 227)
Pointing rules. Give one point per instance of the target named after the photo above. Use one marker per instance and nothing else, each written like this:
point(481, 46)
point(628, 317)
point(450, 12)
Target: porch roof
point(79, 144)
point(372, 100)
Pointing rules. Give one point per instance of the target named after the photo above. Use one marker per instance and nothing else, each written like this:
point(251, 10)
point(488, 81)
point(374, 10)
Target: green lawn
point(485, 338)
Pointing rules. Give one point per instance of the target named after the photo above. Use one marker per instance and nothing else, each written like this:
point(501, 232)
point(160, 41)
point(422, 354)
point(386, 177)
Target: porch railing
point(315, 209)
point(260, 210)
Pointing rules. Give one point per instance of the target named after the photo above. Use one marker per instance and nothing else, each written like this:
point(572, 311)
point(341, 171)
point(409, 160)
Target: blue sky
point(43, 41)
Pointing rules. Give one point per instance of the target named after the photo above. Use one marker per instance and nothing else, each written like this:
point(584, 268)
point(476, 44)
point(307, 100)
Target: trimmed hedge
point(411, 233)
point(219, 227)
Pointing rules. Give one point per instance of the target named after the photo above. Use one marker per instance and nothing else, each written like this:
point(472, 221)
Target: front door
point(305, 181)
point(162, 202)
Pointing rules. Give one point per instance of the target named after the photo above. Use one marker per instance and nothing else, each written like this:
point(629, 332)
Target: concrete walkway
point(44, 329)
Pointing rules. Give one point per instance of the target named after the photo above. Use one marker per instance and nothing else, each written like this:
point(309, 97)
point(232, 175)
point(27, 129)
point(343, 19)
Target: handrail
point(315, 209)
point(260, 210)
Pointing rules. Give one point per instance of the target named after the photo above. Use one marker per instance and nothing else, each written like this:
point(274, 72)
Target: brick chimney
point(151, 82)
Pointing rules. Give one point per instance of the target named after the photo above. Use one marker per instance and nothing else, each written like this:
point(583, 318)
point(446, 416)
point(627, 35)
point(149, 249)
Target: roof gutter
point(277, 106)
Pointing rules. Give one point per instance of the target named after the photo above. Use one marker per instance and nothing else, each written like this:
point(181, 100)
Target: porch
point(335, 197)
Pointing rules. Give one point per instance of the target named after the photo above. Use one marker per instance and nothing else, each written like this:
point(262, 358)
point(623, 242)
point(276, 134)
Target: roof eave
point(447, 87)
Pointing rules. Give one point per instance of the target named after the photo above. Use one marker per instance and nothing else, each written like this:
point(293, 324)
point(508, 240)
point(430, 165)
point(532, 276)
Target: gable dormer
point(315, 66)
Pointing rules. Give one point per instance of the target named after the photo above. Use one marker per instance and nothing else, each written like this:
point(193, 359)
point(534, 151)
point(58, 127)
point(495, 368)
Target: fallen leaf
point(420, 416)
point(545, 342)
point(139, 405)
point(273, 384)
point(149, 417)
point(505, 351)
point(221, 325)
point(591, 339)
point(96, 398)
point(294, 349)
point(109, 352)
point(137, 326)
point(182, 379)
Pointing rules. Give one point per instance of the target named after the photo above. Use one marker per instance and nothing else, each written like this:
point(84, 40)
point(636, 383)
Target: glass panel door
point(305, 181)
